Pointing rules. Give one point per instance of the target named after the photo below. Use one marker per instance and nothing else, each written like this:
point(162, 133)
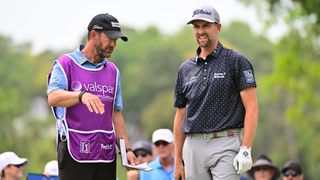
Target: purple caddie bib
point(90, 136)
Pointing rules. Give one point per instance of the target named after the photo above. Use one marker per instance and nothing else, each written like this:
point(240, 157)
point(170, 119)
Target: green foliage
point(256, 48)
point(22, 76)
point(15, 90)
point(294, 86)
point(296, 75)
point(310, 7)
point(293, 12)
point(43, 65)
point(148, 63)
point(158, 113)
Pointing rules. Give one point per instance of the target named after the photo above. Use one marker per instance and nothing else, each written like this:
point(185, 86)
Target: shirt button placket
point(204, 81)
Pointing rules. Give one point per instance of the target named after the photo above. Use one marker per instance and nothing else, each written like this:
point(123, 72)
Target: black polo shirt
point(210, 88)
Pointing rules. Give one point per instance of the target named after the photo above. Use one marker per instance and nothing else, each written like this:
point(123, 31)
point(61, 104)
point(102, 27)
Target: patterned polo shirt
point(210, 89)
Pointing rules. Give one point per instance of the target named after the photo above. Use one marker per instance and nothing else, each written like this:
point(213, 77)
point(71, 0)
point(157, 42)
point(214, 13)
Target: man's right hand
point(179, 173)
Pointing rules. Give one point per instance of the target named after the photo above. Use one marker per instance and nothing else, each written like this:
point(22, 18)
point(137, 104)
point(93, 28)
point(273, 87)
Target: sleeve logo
point(249, 76)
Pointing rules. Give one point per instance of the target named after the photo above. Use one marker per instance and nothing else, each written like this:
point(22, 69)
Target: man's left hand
point(243, 161)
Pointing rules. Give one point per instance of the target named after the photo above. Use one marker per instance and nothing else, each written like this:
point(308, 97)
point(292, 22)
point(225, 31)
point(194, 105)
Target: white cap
point(51, 168)
point(8, 158)
point(162, 134)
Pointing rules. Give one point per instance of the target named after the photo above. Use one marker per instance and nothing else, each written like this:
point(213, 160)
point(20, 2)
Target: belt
point(219, 134)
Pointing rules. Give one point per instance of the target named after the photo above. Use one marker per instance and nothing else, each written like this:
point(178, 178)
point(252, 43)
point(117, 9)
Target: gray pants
point(210, 158)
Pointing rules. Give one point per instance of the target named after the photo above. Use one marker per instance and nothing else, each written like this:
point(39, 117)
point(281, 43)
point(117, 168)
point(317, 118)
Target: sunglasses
point(17, 165)
point(293, 174)
point(163, 143)
point(141, 153)
point(262, 168)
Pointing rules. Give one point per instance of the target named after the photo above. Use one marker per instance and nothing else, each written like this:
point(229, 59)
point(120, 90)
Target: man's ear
point(93, 34)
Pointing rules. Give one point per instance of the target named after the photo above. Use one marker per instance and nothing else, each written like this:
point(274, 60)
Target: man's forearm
point(250, 124)
point(62, 98)
point(120, 129)
point(251, 117)
point(179, 135)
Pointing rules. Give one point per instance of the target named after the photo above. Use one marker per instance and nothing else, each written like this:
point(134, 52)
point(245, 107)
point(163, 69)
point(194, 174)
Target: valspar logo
point(104, 92)
point(76, 86)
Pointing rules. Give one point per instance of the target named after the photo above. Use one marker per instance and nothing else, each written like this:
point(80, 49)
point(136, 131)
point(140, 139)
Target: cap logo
point(97, 27)
point(201, 11)
point(115, 24)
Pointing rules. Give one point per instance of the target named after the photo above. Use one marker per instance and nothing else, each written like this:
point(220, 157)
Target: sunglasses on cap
point(141, 153)
point(163, 143)
point(293, 174)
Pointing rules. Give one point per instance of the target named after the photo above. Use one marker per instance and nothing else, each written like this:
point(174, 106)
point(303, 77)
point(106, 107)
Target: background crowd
point(159, 155)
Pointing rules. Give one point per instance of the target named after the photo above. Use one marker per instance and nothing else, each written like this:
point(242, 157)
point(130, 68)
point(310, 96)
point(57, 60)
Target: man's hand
point(179, 173)
point(93, 103)
point(133, 174)
point(131, 158)
point(243, 161)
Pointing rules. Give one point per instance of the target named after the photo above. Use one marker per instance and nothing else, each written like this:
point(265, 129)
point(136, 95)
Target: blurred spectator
point(292, 171)
point(163, 165)
point(244, 177)
point(11, 166)
point(51, 168)
point(143, 152)
point(264, 169)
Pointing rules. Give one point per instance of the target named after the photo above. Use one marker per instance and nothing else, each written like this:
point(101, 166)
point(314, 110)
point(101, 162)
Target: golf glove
point(243, 161)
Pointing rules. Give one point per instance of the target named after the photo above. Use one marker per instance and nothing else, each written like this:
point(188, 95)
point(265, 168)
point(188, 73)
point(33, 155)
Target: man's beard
point(101, 52)
point(206, 44)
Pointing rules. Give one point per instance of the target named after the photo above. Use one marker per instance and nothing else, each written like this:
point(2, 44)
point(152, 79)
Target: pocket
point(238, 139)
point(93, 147)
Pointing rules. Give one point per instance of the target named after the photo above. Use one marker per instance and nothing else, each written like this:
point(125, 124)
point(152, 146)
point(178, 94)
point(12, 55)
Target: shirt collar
point(214, 53)
point(82, 58)
point(157, 163)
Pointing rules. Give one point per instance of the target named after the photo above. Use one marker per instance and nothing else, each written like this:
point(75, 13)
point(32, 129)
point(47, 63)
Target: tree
point(16, 74)
point(294, 82)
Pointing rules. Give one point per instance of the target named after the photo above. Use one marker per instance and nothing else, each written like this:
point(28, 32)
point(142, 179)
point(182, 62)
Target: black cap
point(142, 145)
point(292, 165)
point(108, 24)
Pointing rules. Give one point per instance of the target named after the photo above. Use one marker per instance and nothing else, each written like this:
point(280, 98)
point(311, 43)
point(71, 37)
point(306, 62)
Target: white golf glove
point(243, 161)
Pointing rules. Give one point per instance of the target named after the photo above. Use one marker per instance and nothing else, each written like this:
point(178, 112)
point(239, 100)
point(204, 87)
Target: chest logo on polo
point(219, 75)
